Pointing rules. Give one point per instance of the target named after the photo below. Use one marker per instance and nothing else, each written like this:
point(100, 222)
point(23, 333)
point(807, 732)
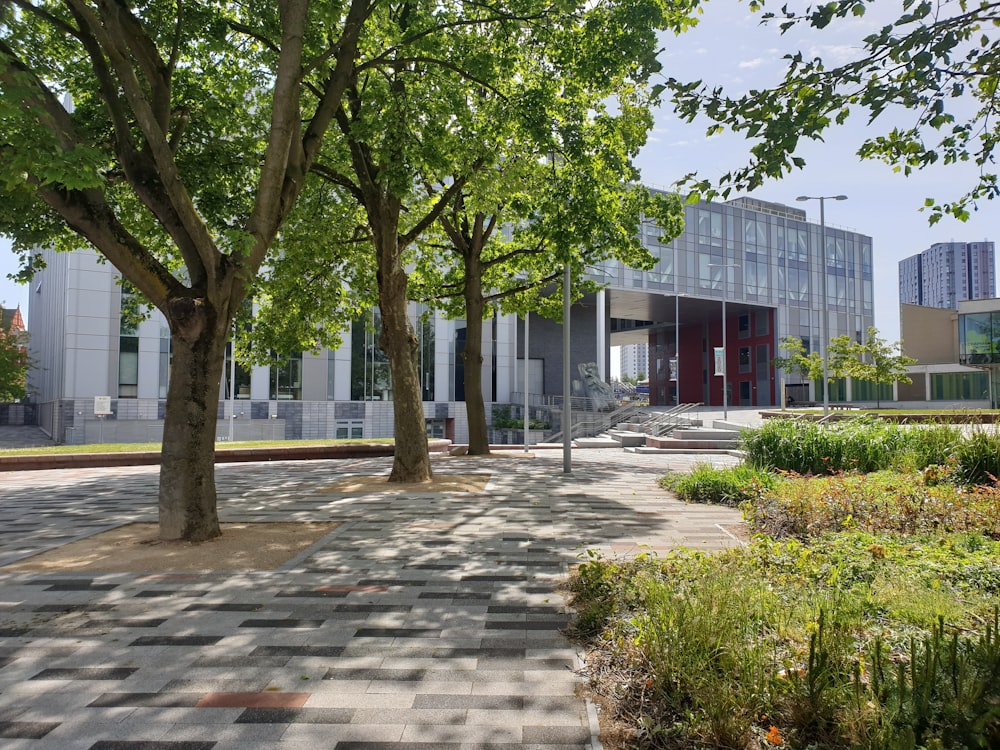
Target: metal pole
point(525, 383)
point(677, 338)
point(232, 386)
point(567, 379)
point(825, 336)
point(725, 394)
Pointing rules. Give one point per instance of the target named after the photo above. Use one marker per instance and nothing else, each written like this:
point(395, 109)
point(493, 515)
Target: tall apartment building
point(948, 273)
point(635, 361)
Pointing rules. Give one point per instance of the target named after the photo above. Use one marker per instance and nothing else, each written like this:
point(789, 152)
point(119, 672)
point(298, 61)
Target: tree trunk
point(187, 464)
point(411, 462)
point(475, 408)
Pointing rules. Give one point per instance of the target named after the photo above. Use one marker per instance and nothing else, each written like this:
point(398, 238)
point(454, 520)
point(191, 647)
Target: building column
point(927, 386)
point(602, 342)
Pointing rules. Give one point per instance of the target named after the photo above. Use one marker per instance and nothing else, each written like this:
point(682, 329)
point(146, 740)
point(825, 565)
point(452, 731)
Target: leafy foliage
point(940, 61)
point(729, 486)
point(851, 640)
point(806, 447)
point(796, 361)
point(874, 359)
point(876, 502)
point(13, 367)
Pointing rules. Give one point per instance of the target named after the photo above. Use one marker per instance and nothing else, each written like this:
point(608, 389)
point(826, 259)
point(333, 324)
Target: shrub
point(728, 486)
point(877, 502)
point(793, 644)
point(805, 447)
point(977, 458)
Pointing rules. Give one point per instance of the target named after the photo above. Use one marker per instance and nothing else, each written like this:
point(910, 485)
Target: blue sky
point(729, 47)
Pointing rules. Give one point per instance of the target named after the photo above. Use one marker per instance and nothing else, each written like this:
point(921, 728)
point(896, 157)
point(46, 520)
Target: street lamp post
point(725, 369)
point(825, 332)
point(677, 338)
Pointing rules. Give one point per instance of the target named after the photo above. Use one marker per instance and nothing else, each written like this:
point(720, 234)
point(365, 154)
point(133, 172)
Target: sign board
point(102, 406)
point(672, 364)
point(720, 360)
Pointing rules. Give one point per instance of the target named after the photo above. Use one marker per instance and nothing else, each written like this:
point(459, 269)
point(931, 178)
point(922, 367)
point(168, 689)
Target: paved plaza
point(423, 621)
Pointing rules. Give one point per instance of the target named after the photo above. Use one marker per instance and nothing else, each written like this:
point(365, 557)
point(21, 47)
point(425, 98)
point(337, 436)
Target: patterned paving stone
point(426, 621)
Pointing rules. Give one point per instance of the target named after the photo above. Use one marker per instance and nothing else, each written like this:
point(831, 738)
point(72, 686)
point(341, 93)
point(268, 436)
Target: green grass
point(55, 450)
point(851, 640)
point(727, 486)
point(864, 614)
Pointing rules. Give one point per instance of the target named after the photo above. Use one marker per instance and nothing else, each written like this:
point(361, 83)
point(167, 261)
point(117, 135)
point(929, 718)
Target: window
point(242, 379)
point(286, 378)
point(349, 429)
point(745, 365)
point(743, 326)
point(128, 367)
point(166, 353)
point(370, 378)
point(762, 323)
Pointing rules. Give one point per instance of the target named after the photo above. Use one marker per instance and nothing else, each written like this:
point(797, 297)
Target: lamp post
point(567, 377)
point(825, 332)
point(677, 337)
point(527, 407)
point(725, 291)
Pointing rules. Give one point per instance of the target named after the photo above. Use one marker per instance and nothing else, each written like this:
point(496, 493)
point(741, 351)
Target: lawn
point(55, 450)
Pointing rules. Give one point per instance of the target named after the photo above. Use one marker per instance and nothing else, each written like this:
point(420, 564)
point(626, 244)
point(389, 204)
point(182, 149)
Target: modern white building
point(770, 270)
point(948, 273)
point(634, 361)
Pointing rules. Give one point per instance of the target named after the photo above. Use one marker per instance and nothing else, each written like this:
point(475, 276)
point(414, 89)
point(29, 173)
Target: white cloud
point(755, 63)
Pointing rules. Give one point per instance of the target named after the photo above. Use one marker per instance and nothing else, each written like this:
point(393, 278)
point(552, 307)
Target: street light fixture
point(825, 333)
point(725, 376)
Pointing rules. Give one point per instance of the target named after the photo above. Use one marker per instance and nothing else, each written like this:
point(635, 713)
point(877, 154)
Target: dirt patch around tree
point(136, 548)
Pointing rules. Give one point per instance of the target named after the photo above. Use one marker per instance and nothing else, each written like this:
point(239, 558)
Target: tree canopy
point(13, 367)
point(935, 69)
point(175, 139)
point(874, 360)
point(485, 157)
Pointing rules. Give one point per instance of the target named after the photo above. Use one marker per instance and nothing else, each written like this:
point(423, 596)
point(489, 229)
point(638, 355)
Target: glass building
point(771, 271)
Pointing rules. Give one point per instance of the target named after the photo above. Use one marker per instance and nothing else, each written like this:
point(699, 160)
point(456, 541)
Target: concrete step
point(691, 444)
point(703, 433)
point(597, 442)
point(628, 438)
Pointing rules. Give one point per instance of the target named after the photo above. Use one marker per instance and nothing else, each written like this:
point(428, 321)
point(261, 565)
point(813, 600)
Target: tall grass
point(867, 444)
point(795, 645)
point(726, 486)
point(806, 447)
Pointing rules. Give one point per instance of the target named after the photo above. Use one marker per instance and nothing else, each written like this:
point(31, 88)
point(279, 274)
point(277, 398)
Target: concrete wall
point(929, 334)
point(141, 420)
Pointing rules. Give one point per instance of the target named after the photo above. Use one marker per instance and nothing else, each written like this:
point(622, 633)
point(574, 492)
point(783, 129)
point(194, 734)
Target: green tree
point(551, 148)
point(796, 361)
point(13, 367)
point(938, 60)
point(874, 360)
point(483, 120)
point(174, 138)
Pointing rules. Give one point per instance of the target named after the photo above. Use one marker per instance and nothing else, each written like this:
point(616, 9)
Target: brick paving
point(423, 621)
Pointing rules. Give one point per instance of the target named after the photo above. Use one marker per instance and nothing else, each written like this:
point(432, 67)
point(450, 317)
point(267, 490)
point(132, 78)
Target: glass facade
point(979, 338)
point(371, 379)
point(960, 386)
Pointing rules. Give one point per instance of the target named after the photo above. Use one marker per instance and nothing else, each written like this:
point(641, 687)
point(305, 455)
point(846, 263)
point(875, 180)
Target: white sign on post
point(102, 406)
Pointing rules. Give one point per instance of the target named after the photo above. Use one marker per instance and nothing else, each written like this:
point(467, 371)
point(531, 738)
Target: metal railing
point(661, 423)
point(588, 424)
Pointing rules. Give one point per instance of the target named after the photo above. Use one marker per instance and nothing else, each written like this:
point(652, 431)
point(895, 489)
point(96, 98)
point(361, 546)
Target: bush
point(877, 502)
point(806, 447)
point(799, 645)
point(977, 458)
point(729, 486)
